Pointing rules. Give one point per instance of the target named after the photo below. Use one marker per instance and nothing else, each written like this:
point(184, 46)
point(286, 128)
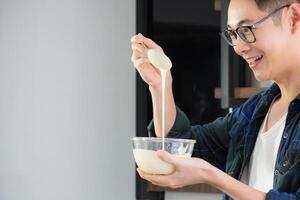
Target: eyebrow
point(240, 23)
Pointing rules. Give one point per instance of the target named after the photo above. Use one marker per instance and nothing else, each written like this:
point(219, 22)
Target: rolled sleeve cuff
point(180, 125)
point(275, 195)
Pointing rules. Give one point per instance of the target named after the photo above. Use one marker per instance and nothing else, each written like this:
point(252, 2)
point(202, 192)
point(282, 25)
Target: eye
point(245, 30)
point(231, 33)
point(246, 34)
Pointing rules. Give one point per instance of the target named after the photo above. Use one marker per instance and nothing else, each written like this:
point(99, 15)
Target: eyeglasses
point(246, 32)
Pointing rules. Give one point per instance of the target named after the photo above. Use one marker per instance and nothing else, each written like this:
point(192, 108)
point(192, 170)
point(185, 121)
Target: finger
point(138, 47)
point(150, 44)
point(140, 63)
point(139, 38)
point(146, 176)
point(147, 41)
point(139, 50)
point(140, 173)
point(137, 55)
point(160, 180)
point(167, 157)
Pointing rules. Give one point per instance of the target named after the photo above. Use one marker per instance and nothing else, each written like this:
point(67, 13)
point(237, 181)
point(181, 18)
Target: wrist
point(210, 174)
point(205, 172)
point(157, 88)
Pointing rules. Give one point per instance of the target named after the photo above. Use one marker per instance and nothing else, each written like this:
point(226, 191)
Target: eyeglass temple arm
point(269, 15)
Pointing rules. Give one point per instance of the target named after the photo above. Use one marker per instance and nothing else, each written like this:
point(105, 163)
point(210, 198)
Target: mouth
point(253, 61)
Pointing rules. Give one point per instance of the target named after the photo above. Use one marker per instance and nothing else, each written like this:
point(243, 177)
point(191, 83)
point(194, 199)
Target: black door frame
point(143, 25)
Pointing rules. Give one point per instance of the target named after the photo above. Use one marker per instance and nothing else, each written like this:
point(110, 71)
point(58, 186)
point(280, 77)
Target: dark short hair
point(270, 5)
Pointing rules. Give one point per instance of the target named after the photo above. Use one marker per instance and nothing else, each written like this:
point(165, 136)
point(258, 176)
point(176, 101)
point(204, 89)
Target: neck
point(289, 89)
point(288, 80)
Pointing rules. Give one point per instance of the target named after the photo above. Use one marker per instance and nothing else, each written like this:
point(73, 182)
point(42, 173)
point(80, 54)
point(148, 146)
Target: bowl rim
point(159, 139)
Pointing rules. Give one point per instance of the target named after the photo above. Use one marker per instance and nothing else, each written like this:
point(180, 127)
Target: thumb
point(165, 156)
point(150, 44)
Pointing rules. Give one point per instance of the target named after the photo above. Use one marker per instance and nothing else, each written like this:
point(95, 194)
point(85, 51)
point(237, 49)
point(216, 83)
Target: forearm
point(170, 108)
point(232, 187)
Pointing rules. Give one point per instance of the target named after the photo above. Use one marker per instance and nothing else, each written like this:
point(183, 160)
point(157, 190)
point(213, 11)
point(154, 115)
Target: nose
point(241, 47)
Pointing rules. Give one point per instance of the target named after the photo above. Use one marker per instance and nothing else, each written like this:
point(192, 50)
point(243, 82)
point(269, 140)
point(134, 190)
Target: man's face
point(266, 57)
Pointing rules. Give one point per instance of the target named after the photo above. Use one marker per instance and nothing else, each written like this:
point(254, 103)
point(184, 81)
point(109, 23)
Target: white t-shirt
point(259, 173)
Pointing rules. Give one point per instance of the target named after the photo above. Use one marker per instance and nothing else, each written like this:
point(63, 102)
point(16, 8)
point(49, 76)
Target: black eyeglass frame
point(250, 28)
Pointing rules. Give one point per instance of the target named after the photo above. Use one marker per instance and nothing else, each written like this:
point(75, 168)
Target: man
point(258, 144)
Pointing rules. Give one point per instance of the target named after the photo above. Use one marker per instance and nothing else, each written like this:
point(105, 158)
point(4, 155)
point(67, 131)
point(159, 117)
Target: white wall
point(67, 100)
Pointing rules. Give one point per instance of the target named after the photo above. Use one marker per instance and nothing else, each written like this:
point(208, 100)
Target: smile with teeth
point(252, 60)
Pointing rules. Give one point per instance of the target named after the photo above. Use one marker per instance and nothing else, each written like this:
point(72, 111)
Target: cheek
point(272, 50)
point(276, 56)
point(275, 45)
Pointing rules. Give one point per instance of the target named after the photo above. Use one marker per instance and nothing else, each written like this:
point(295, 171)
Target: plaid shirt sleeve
point(211, 139)
point(275, 195)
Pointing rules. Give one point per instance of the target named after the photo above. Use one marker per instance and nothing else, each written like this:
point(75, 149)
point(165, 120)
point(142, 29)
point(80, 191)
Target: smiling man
point(253, 152)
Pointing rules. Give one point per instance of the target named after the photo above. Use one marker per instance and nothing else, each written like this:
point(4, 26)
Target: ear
point(294, 17)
